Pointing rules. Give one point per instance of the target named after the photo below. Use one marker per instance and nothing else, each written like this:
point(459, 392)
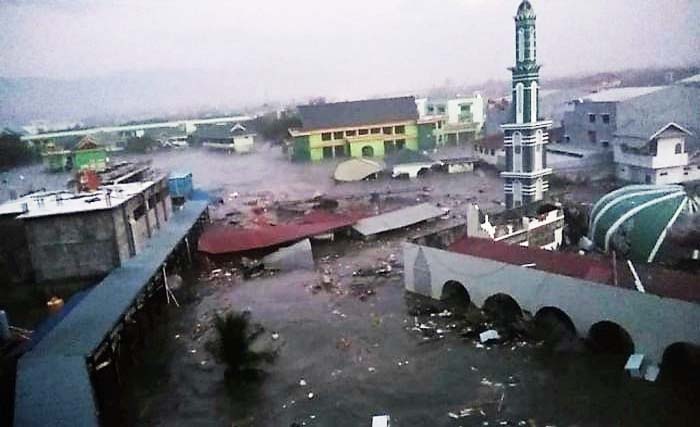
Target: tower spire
point(525, 135)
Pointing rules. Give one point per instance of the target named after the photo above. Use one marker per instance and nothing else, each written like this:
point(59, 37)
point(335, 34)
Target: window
point(441, 109)
point(326, 136)
point(493, 152)
point(519, 100)
point(592, 137)
point(606, 118)
point(521, 45)
point(679, 148)
point(339, 151)
point(465, 108)
point(363, 131)
point(375, 131)
point(567, 138)
point(517, 149)
point(605, 144)
point(338, 135)
point(439, 125)
point(350, 133)
point(400, 143)
point(663, 173)
point(327, 152)
point(431, 108)
point(591, 118)
point(538, 147)
point(387, 130)
point(399, 129)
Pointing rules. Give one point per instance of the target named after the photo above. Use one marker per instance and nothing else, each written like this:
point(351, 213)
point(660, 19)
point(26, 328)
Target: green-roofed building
point(634, 220)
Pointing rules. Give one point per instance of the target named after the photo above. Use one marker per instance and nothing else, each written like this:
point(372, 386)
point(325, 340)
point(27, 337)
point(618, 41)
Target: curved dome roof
point(635, 219)
point(525, 10)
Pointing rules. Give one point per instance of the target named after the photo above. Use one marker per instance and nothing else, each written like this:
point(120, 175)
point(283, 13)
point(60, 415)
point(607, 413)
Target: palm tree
point(232, 346)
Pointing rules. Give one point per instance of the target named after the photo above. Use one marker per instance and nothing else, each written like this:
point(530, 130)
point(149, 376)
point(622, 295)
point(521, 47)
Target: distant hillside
point(133, 96)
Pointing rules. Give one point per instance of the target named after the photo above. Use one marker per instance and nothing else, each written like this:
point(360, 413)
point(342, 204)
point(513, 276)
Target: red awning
point(222, 239)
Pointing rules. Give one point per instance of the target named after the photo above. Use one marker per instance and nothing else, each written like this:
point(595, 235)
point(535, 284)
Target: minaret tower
point(525, 135)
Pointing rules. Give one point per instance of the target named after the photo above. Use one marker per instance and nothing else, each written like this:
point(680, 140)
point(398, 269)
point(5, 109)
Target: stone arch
point(367, 151)
point(502, 308)
point(609, 337)
point(553, 324)
point(455, 293)
point(681, 363)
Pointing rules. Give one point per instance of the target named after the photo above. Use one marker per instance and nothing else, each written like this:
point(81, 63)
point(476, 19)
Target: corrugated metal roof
point(226, 239)
point(397, 219)
point(356, 113)
point(622, 93)
point(53, 375)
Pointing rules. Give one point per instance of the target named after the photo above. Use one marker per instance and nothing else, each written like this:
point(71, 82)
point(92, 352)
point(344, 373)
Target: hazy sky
point(338, 48)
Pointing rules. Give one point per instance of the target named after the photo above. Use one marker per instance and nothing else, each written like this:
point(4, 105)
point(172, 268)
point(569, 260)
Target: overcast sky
point(338, 48)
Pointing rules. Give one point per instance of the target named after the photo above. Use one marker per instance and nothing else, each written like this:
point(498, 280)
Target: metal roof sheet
point(54, 391)
point(53, 381)
point(356, 113)
point(397, 219)
point(622, 93)
point(357, 169)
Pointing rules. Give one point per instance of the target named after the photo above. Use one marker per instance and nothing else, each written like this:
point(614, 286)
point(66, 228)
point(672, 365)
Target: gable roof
point(648, 129)
point(356, 113)
point(88, 142)
point(221, 131)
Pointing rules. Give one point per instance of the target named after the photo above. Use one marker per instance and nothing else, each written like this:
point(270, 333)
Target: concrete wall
point(653, 322)
point(72, 246)
point(577, 124)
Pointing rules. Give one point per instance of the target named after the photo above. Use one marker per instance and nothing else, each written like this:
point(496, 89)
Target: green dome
point(634, 220)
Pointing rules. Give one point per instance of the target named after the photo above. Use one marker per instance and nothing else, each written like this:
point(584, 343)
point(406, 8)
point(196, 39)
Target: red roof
point(223, 239)
point(659, 281)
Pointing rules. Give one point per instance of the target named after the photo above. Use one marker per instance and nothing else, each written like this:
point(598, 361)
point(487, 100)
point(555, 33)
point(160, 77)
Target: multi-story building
point(69, 236)
point(592, 122)
point(653, 154)
point(368, 128)
point(457, 120)
point(525, 136)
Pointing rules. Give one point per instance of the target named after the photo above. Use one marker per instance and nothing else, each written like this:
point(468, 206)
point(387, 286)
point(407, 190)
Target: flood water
point(360, 357)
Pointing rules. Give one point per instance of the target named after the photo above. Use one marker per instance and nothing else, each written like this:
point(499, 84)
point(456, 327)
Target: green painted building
point(89, 154)
point(368, 128)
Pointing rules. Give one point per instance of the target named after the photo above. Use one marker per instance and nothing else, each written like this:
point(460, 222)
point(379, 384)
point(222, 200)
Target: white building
point(652, 154)
point(459, 119)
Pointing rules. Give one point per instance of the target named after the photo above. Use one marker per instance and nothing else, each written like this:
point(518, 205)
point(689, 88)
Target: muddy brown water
point(361, 358)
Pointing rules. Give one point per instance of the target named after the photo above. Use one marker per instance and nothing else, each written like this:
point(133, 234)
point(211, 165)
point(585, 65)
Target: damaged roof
point(656, 280)
point(357, 113)
point(397, 219)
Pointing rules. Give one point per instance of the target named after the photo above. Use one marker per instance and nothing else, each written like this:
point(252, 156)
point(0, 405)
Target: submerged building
point(455, 120)
point(85, 235)
point(525, 136)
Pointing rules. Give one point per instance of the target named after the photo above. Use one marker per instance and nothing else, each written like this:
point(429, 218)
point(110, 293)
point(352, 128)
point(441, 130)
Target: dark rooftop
point(656, 280)
point(356, 113)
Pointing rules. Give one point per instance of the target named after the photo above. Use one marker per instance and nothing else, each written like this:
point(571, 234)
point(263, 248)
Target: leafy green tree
point(14, 152)
point(235, 336)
